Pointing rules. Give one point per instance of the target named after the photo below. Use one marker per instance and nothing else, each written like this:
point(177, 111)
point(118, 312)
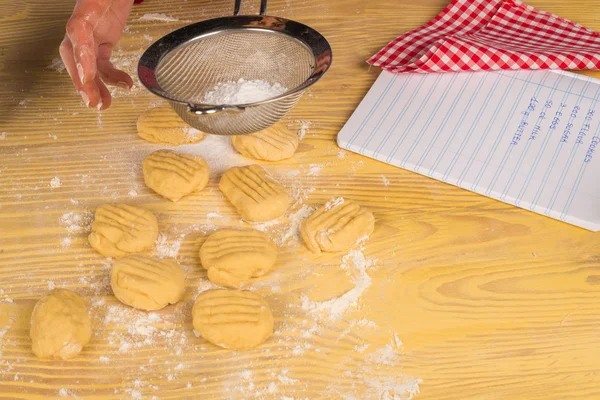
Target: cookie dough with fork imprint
point(233, 319)
point(120, 229)
point(174, 175)
point(232, 257)
point(336, 226)
point(256, 196)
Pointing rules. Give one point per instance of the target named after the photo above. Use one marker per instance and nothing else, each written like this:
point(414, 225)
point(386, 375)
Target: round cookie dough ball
point(163, 125)
point(174, 175)
point(147, 283)
point(233, 319)
point(120, 229)
point(60, 325)
point(232, 257)
point(272, 144)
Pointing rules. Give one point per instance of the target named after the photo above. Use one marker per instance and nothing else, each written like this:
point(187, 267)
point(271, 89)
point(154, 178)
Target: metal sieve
point(183, 66)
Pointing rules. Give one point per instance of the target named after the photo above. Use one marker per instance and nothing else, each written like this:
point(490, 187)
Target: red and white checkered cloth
point(472, 35)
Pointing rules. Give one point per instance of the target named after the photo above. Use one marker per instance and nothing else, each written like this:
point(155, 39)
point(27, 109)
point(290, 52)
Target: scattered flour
point(355, 264)
point(164, 249)
point(385, 180)
point(2, 135)
point(57, 65)
point(334, 203)
point(304, 128)
point(51, 285)
point(66, 242)
point(65, 393)
point(148, 37)
point(76, 222)
point(243, 92)
point(55, 182)
point(218, 152)
point(104, 359)
point(157, 17)
point(314, 170)
point(133, 193)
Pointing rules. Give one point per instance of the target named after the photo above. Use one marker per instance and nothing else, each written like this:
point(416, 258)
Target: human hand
point(92, 32)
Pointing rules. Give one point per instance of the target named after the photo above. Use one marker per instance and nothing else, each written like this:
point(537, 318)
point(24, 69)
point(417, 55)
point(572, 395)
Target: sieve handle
point(213, 110)
point(238, 4)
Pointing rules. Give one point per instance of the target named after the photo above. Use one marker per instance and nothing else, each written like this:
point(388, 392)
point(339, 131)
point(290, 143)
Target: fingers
point(80, 31)
point(108, 72)
point(66, 54)
point(105, 98)
point(81, 34)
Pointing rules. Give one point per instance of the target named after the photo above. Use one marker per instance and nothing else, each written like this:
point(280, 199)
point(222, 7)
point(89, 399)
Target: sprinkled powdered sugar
point(77, 222)
point(55, 182)
point(355, 264)
point(217, 151)
point(165, 249)
point(157, 17)
point(243, 92)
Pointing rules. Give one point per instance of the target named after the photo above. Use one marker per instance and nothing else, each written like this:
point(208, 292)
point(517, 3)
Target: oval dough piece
point(146, 283)
point(174, 175)
point(60, 325)
point(256, 196)
point(163, 125)
point(233, 256)
point(272, 144)
point(233, 319)
point(336, 226)
point(121, 229)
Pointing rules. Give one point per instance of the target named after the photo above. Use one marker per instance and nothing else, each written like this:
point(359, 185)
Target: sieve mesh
point(191, 70)
point(186, 64)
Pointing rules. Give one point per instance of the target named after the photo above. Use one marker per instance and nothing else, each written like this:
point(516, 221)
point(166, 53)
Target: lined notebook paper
point(528, 138)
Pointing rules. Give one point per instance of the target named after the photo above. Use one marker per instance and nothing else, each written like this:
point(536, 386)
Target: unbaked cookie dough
point(163, 125)
point(233, 319)
point(256, 196)
point(336, 226)
point(120, 229)
point(233, 256)
point(147, 283)
point(272, 144)
point(60, 325)
point(174, 175)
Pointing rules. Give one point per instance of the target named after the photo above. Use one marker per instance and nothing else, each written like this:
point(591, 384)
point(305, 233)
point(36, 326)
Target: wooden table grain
point(467, 298)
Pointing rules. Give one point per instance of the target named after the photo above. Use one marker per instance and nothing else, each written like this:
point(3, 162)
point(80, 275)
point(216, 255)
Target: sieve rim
point(305, 35)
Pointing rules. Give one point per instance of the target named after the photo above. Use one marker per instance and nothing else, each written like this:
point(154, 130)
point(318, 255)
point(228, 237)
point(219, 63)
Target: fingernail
point(99, 106)
point(85, 98)
point(80, 72)
point(123, 85)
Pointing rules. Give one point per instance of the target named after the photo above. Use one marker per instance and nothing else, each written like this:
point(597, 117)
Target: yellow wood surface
point(489, 301)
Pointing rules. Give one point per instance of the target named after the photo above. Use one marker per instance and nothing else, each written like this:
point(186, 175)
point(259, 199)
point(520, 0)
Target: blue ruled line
point(490, 156)
point(429, 120)
point(556, 153)
point(400, 116)
point(575, 187)
point(442, 125)
point(414, 119)
point(508, 151)
point(563, 176)
point(455, 130)
point(475, 122)
point(540, 151)
point(385, 115)
point(370, 113)
point(483, 138)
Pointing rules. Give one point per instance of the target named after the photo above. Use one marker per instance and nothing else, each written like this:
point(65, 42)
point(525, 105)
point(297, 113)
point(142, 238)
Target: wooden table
point(468, 297)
